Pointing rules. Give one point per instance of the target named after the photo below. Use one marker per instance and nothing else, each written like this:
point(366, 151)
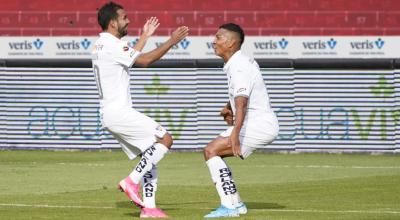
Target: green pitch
point(82, 185)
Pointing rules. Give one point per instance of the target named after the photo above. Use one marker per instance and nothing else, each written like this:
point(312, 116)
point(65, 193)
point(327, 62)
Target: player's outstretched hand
point(227, 114)
point(179, 34)
point(150, 26)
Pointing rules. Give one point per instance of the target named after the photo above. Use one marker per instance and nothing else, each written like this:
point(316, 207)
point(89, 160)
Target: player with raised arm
point(252, 123)
point(138, 134)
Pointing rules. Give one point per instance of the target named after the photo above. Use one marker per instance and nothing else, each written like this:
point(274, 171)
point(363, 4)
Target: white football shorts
point(247, 144)
point(136, 132)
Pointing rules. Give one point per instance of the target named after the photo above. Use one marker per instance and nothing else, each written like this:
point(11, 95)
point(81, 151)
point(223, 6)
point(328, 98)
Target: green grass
point(82, 185)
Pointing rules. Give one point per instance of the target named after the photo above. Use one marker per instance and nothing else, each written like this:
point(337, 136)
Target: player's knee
point(209, 152)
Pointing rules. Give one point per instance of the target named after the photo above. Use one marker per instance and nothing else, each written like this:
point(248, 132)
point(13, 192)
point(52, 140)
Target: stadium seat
point(87, 20)
point(361, 19)
point(63, 19)
point(389, 19)
point(34, 19)
point(10, 31)
point(245, 19)
point(35, 31)
point(8, 19)
point(260, 17)
point(209, 19)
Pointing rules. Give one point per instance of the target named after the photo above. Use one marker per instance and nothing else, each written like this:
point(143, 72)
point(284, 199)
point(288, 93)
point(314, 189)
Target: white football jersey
point(111, 58)
point(245, 79)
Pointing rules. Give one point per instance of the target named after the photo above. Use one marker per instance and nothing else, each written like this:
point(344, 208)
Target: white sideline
point(256, 210)
point(329, 166)
point(54, 206)
point(328, 211)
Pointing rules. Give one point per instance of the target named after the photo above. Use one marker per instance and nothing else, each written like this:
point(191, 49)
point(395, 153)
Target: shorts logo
point(125, 48)
point(241, 90)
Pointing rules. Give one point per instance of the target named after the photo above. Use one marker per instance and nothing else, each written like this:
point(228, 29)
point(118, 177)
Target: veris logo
point(184, 44)
point(320, 44)
point(74, 45)
point(272, 45)
point(367, 44)
point(85, 43)
point(26, 45)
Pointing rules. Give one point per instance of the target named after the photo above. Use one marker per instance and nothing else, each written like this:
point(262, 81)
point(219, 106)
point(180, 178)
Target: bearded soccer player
point(138, 134)
point(252, 123)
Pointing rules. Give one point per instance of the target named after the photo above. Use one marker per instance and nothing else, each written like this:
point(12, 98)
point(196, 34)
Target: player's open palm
point(179, 34)
point(150, 26)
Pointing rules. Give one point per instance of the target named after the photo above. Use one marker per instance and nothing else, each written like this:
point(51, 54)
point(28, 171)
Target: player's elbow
point(143, 61)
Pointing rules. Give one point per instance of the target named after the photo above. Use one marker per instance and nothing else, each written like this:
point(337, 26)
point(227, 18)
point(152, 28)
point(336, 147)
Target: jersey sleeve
point(125, 54)
point(241, 83)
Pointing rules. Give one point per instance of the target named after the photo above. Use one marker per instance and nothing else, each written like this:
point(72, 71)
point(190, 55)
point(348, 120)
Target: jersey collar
point(108, 35)
point(232, 60)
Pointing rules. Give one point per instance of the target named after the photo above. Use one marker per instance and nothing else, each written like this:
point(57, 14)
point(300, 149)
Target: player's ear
point(231, 42)
point(113, 23)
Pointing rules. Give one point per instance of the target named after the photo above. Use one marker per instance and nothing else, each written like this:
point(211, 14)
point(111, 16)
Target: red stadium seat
point(338, 31)
point(306, 31)
point(90, 31)
point(66, 32)
point(369, 31)
point(362, 19)
point(245, 19)
point(10, 31)
point(209, 19)
point(272, 19)
point(63, 19)
point(389, 19)
point(260, 17)
point(330, 19)
point(9, 19)
point(186, 18)
point(392, 31)
point(87, 19)
point(34, 19)
point(275, 32)
point(35, 31)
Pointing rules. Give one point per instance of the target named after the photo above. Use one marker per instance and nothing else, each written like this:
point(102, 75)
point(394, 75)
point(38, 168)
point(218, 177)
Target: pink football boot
point(131, 190)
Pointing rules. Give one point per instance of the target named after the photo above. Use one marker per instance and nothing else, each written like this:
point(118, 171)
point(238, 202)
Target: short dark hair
point(107, 13)
point(234, 28)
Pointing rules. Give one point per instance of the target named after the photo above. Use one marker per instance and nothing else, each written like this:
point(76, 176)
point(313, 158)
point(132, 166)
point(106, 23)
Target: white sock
point(222, 177)
point(150, 157)
point(149, 183)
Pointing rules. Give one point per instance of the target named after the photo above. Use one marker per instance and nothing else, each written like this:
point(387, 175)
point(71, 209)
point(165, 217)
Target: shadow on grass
point(263, 205)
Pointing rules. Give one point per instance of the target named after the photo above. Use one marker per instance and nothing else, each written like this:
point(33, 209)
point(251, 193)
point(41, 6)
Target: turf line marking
point(54, 206)
point(327, 211)
point(256, 210)
point(330, 167)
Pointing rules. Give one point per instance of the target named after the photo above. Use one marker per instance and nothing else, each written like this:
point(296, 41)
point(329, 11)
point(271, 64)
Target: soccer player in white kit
point(138, 134)
point(252, 122)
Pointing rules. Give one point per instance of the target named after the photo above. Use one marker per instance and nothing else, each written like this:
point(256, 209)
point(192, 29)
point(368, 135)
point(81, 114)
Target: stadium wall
point(322, 104)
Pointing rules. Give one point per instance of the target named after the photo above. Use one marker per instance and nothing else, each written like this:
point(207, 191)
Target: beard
point(123, 31)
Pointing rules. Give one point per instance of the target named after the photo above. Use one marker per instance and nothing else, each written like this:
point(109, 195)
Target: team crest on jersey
point(159, 128)
point(125, 48)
